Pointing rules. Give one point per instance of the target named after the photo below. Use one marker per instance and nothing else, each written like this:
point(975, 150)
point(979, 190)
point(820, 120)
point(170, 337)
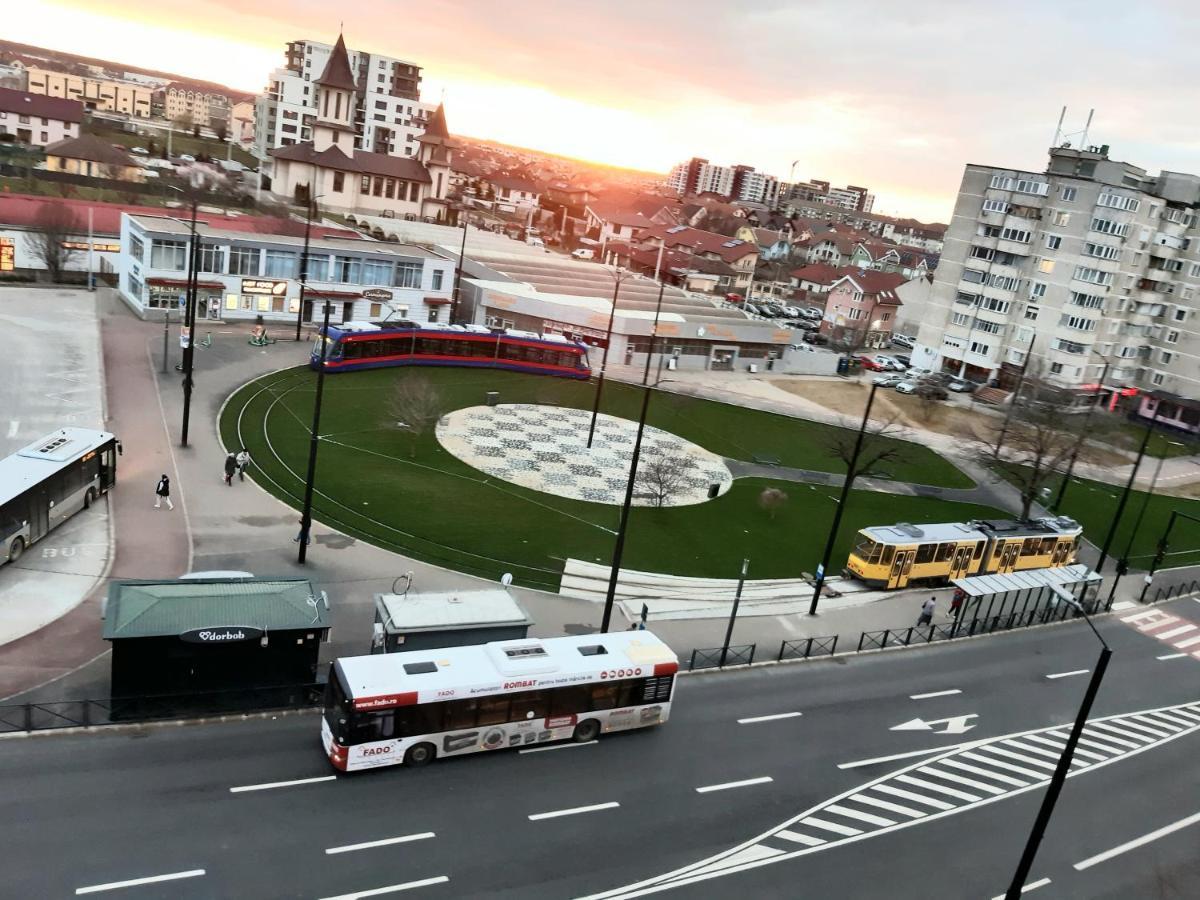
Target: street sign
point(820, 570)
point(954, 724)
point(182, 300)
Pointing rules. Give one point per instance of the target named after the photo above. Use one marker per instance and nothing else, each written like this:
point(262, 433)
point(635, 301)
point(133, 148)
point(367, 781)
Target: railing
point(1176, 590)
point(806, 648)
point(719, 657)
point(121, 710)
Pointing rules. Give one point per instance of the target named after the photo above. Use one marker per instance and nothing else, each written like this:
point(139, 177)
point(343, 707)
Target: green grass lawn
point(181, 142)
point(412, 496)
point(1128, 435)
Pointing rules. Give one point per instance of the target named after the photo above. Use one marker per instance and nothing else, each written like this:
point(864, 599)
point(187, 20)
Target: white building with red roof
point(38, 120)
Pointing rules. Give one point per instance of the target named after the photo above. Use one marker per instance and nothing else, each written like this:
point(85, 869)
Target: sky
point(897, 97)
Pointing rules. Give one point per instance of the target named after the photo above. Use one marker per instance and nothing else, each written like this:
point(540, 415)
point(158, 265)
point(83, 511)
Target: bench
point(765, 459)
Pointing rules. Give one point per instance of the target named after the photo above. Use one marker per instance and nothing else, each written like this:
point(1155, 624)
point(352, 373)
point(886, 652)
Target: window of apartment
point(212, 258)
point(1067, 193)
point(1023, 335)
point(1088, 301)
point(988, 231)
point(347, 269)
point(1002, 182)
point(1128, 352)
point(1172, 336)
point(1118, 201)
point(381, 104)
point(1102, 251)
point(1045, 266)
point(1181, 314)
point(952, 343)
point(1165, 357)
point(1015, 234)
point(317, 267)
point(1005, 282)
point(364, 185)
point(1037, 290)
point(1061, 218)
point(243, 260)
point(168, 255)
point(1108, 226)
point(981, 349)
point(136, 248)
point(1093, 276)
point(281, 263)
point(996, 206)
point(1053, 242)
point(1017, 357)
point(1068, 346)
point(1030, 186)
point(1079, 323)
point(376, 272)
point(1157, 379)
point(1056, 368)
point(965, 297)
point(339, 182)
point(407, 275)
point(960, 319)
point(988, 327)
point(1031, 312)
point(438, 275)
point(984, 253)
point(993, 305)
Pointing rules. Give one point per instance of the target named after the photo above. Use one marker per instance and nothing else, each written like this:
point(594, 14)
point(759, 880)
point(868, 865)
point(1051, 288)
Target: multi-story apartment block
point(850, 197)
point(1092, 263)
point(738, 183)
point(389, 115)
point(196, 106)
point(94, 92)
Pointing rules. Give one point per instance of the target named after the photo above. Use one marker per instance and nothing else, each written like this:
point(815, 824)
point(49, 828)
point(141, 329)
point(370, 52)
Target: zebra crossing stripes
point(956, 780)
point(1173, 630)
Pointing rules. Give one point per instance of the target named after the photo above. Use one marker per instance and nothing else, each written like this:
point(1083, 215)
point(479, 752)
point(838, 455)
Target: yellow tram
point(896, 556)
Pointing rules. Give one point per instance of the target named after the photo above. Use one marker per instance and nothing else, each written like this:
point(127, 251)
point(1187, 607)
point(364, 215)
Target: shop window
point(231, 301)
point(264, 304)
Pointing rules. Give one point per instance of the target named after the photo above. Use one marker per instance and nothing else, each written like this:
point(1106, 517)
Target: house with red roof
point(862, 306)
point(38, 120)
point(741, 255)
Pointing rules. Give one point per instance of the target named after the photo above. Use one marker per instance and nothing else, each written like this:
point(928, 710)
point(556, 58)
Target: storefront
point(171, 294)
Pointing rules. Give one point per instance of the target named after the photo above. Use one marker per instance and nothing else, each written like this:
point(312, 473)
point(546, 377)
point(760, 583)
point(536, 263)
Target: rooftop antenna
point(1058, 129)
point(1062, 139)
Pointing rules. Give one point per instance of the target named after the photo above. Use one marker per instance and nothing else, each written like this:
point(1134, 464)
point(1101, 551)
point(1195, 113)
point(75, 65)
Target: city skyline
point(901, 108)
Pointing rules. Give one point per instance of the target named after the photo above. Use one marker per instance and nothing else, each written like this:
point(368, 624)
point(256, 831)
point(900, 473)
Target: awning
point(334, 295)
point(436, 301)
point(1057, 576)
point(182, 283)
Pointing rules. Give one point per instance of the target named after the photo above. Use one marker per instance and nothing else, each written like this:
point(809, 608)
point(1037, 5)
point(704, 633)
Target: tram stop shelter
point(1026, 598)
point(200, 636)
point(420, 621)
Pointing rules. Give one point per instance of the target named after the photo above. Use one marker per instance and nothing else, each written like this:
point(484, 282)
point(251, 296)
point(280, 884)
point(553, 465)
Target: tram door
point(1062, 550)
point(901, 567)
point(961, 563)
point(1008, 558)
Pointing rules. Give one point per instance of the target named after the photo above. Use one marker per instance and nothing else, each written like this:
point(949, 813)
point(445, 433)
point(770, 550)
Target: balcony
point(1163, 251)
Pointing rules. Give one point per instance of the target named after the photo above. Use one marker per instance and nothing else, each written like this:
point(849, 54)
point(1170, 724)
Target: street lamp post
point(1123, 562)
point(308, 213)
point(314, 441)
point(458, 269)
point(617, 276)
point(619, 545)
point(1083, 432)
point(1012, 404)
point(737, 601)
point(1064, 763)
point(1116, 520)
point(841, 504)
point(189, 351)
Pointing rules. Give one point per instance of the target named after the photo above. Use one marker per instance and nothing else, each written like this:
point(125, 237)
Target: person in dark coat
point(162, 492)
point(230, 468)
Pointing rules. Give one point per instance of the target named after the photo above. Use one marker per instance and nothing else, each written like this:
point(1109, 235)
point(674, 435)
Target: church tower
point(437, 153)
point(336, 103)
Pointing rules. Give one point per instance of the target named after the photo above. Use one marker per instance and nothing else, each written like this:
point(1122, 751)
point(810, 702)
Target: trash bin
point(843, 366)
point(493, 398)
point(672, 363)
point(752, 368)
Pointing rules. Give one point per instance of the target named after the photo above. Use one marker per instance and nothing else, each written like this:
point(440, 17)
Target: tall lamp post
point(308, 214)
point(459, 266)
point(313, 443)
point(1012, 404)
point(1083, 432)
point(841, 504)
point(1116, 519)
point(618, 277)
point(189, 323)
point(619, 546)
point(1123, 562)
point(1064, 760)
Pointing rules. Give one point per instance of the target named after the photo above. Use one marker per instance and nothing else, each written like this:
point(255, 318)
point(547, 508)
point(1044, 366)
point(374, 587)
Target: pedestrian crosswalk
point(1173, 630)
point(967, 776)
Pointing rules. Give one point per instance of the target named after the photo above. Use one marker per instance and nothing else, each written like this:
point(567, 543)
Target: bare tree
point(661, 475)
point(929, 400)
point(771, 500)
point(416, 407)
point(54, 227)
point(880, 445)
point(1033, 440)
point(847, 341)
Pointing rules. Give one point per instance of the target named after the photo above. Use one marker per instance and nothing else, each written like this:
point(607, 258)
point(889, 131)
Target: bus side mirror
point(120, 449)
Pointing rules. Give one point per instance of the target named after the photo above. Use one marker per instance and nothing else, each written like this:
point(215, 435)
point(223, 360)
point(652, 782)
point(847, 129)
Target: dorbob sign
point(224, 634)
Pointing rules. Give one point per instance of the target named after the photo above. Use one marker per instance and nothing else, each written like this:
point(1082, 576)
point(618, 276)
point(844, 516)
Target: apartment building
point(94, 92)
point(195, 105)
point(1092, 261)
point(851, 197)
point(737, 183)
point(389, 115)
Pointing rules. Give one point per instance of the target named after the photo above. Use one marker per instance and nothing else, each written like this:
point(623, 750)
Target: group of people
point(928, 607)
point(235, 464)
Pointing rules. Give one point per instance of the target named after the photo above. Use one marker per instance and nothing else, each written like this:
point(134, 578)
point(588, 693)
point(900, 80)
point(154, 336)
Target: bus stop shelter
point(1028, 597)
point(224, 635)
point(419, 621)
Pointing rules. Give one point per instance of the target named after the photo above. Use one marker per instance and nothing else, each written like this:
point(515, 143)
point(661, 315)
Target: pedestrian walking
point(302, 535)
point(162, 492)
point(956, 601)
point(926, 617)
point(230, 468)
point(243, 460)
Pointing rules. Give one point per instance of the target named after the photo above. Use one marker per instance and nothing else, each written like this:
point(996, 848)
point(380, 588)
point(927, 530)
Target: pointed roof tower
point(436, 140)
point(338, 73)
point(437, 123)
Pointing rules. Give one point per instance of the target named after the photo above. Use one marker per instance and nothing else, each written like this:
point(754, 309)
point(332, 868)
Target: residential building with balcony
point(388, 114)
point(191, 104)
point(738, 183)
point(1091, 262)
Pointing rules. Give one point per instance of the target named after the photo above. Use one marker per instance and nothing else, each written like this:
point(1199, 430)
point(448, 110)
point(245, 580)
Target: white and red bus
point(413, 707)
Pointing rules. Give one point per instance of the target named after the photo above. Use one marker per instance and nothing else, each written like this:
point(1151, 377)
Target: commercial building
point(245, 272)
point(94, 92)
point(36, 119)
point(388, 114)
point(739, 183)
point(1092, 261)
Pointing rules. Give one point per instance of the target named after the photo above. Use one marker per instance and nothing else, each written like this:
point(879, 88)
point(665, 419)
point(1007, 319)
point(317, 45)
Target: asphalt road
point(96, 810)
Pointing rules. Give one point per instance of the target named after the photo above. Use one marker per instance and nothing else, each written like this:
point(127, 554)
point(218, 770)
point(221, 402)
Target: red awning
point(436, 301)
point(182, 283)
point(334, 295)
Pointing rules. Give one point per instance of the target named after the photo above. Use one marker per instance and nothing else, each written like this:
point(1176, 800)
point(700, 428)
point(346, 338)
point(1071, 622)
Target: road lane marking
point(1137, 842)
point(938, 789)
point(932, 772)
point(882, 759)
point(1125, 739)
point(1173, 656)
point(734, 784)
point(381, 843)
point(844, 830)
point(556, 747)
point(1032, 886)
point(986, 773)
point(279, 784)
point(13, 425)
point(795, 838)
point(1123, 604)
point(1190, 642)
point(1058, 745)
point(1007, 766)
point(1069, 674)
point(930, 696)
point(392, 888)
point(536, 817)
point(133, 882)
point(867, 800)
point(1055, 755)
point(1175, 632)
point(754, 719)
point(909, 795)
point(869, 818)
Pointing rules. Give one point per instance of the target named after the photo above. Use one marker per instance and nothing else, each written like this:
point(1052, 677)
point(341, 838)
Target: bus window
point(372, 726)
point(493, 710)
point(925, 553)
point(568, 701)
point(604, 696)
point(529, 705)
point(461, 714)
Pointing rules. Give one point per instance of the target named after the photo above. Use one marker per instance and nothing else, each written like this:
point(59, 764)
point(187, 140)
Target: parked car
point(805, 325)
point(584, 253)
point(917, 372)
point(889, 363)
point(736, 299)
point(904, 360)
point(811, 312)
point(870, 364)
point(791, 311)
point(925, 388)
point(903, 340)
point(186, 157)
point(816, 338)
point(140, 151)
point(887, 381)
point(961, 386)
point(941, 379)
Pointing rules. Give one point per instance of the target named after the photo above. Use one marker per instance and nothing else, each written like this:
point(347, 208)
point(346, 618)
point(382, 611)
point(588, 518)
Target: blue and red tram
point(370, 345)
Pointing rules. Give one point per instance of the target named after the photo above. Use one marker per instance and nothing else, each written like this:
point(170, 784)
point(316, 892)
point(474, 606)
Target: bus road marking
point(367, 845)
point(556, 747)
point(930, 696)
point(1069, 674)
point(754, 719)
point(570, 812)
point(133, 882)
point(278, 784)
point(391, 888)
point(734, 784)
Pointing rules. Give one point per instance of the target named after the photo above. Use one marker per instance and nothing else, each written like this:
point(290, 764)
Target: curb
point(119, 727)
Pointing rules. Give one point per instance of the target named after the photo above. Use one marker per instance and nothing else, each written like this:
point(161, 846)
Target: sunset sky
point(897, 97)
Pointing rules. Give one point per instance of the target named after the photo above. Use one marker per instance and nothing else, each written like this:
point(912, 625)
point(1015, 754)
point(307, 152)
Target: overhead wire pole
point(1161, 550)
point(604, 358)
point(1123, 562)
point(1116, 519)
point(189, 352)
point(1087, 419)
point(1012, 404)
point(841, 503)
point(619, 545)
point(313, 443)
point(308, 211)
point(459, 267)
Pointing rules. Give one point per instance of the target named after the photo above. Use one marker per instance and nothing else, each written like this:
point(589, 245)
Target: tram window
point(945, 551)
point(888, 553)
point(1030, 546)
point(1048, 545)
point(493, 710)
point(864, 548)
point(925, 553)
point(508, 351)
point(875, 555)
point(428, 346)
point(978, 550)
point(352, 350)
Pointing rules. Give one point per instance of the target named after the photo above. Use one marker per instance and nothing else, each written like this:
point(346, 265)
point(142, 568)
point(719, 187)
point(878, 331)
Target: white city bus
point(412, 707)
point(44, 484)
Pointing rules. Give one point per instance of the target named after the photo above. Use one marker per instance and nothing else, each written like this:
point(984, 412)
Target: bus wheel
point(89, 498)
point(420, 755)
point(587, 730)
point(15, 549)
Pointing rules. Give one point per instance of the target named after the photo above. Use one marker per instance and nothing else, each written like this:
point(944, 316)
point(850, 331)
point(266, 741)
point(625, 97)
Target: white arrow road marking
point(954, 724)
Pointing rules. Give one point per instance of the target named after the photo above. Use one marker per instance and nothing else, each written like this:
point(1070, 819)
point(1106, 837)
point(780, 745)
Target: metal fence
point(125, 710)
point(904, 637)
point(719, 657)
point(1182, 589)
point(806, 648)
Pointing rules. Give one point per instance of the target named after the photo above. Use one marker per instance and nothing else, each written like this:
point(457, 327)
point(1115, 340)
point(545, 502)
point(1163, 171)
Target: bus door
point(960, 565)
point(1008, 557)
point(39, 514)
point(901, 566)
point(108, 467)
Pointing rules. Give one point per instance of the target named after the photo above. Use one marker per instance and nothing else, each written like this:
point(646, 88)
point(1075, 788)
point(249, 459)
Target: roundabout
point(456, 494)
